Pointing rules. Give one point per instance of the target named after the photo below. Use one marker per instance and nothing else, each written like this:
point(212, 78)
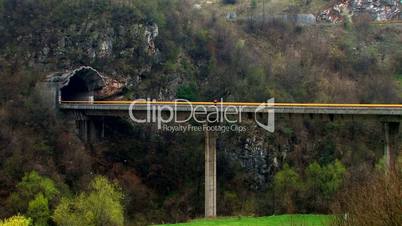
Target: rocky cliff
point(379, 10)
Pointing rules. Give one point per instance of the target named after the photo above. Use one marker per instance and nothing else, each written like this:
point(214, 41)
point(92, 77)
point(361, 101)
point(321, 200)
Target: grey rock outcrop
point(379, 10)
point(151, 32)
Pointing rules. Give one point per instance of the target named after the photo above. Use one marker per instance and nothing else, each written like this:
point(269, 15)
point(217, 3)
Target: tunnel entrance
point(76, 90)
point(81, 85)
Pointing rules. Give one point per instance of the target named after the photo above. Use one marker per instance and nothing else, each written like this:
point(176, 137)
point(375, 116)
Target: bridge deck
point(97, 107)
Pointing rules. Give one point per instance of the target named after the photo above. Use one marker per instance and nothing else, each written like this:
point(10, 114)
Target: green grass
point(283, 220)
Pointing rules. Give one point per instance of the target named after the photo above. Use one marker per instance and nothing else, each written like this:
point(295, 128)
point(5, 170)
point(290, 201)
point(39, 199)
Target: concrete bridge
point(74, 94)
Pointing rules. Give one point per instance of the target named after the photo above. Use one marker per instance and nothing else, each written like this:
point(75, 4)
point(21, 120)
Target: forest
point(168, 49)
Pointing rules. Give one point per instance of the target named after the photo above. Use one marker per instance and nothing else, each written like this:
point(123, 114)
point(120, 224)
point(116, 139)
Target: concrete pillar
point(59, 100)
point(91, 99)
point(92, 131)
point(48, 94)
point(83, 130)
point(210, 174)
point(103, 129)
point(391, 144)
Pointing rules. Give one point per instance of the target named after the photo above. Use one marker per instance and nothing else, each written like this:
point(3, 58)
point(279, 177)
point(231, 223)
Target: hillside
point(174, 49)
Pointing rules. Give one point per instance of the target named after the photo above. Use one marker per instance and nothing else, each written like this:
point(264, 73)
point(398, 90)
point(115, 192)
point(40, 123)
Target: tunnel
point(81, 85)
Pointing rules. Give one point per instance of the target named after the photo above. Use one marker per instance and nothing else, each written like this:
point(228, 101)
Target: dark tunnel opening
point(82, 85)
point(76, 90)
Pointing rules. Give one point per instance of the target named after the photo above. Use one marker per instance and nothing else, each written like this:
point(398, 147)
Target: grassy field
point(283, 220)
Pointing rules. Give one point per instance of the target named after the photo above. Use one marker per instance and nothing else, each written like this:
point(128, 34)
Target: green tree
point(38, 210)
point(32, 197)
point(332, 178)
point(16, 221)
point(286, 184)
point(380, 165)
point(322, 182)
point(188, 92)
point(253, 4)
point(100, 206)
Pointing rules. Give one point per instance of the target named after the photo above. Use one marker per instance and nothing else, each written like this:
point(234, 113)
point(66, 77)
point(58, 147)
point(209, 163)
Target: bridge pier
point(90, 130)
point(391, 144)
point(82, 126)
point(210, 173)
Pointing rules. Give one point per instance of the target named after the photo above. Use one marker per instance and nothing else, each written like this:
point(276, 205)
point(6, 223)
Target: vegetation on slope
point(200, 56)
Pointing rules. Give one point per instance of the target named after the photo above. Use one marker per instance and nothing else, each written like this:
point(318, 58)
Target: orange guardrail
point(251, 104)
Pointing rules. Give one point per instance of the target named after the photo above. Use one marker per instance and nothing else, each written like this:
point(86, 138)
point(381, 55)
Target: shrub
point(187, 92)
point(361, 23)
point(287, 183)
point(101, 206)
point(38, 209)
point(373, 202)
point(16, 221)
point(322, 182)
point(32, 197)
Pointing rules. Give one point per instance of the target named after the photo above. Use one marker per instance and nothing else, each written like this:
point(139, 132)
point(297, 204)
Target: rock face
point(379, 10)
point(254, 152)
point(151, 32)
point(92, 78)
point(106, 48)
point(93, 42)
point(83, 82)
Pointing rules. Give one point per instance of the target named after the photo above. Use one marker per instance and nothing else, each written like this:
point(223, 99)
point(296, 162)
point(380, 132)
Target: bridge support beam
point(210, 173)
point(90, 130)
point(391, 144)
point(83, 127)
